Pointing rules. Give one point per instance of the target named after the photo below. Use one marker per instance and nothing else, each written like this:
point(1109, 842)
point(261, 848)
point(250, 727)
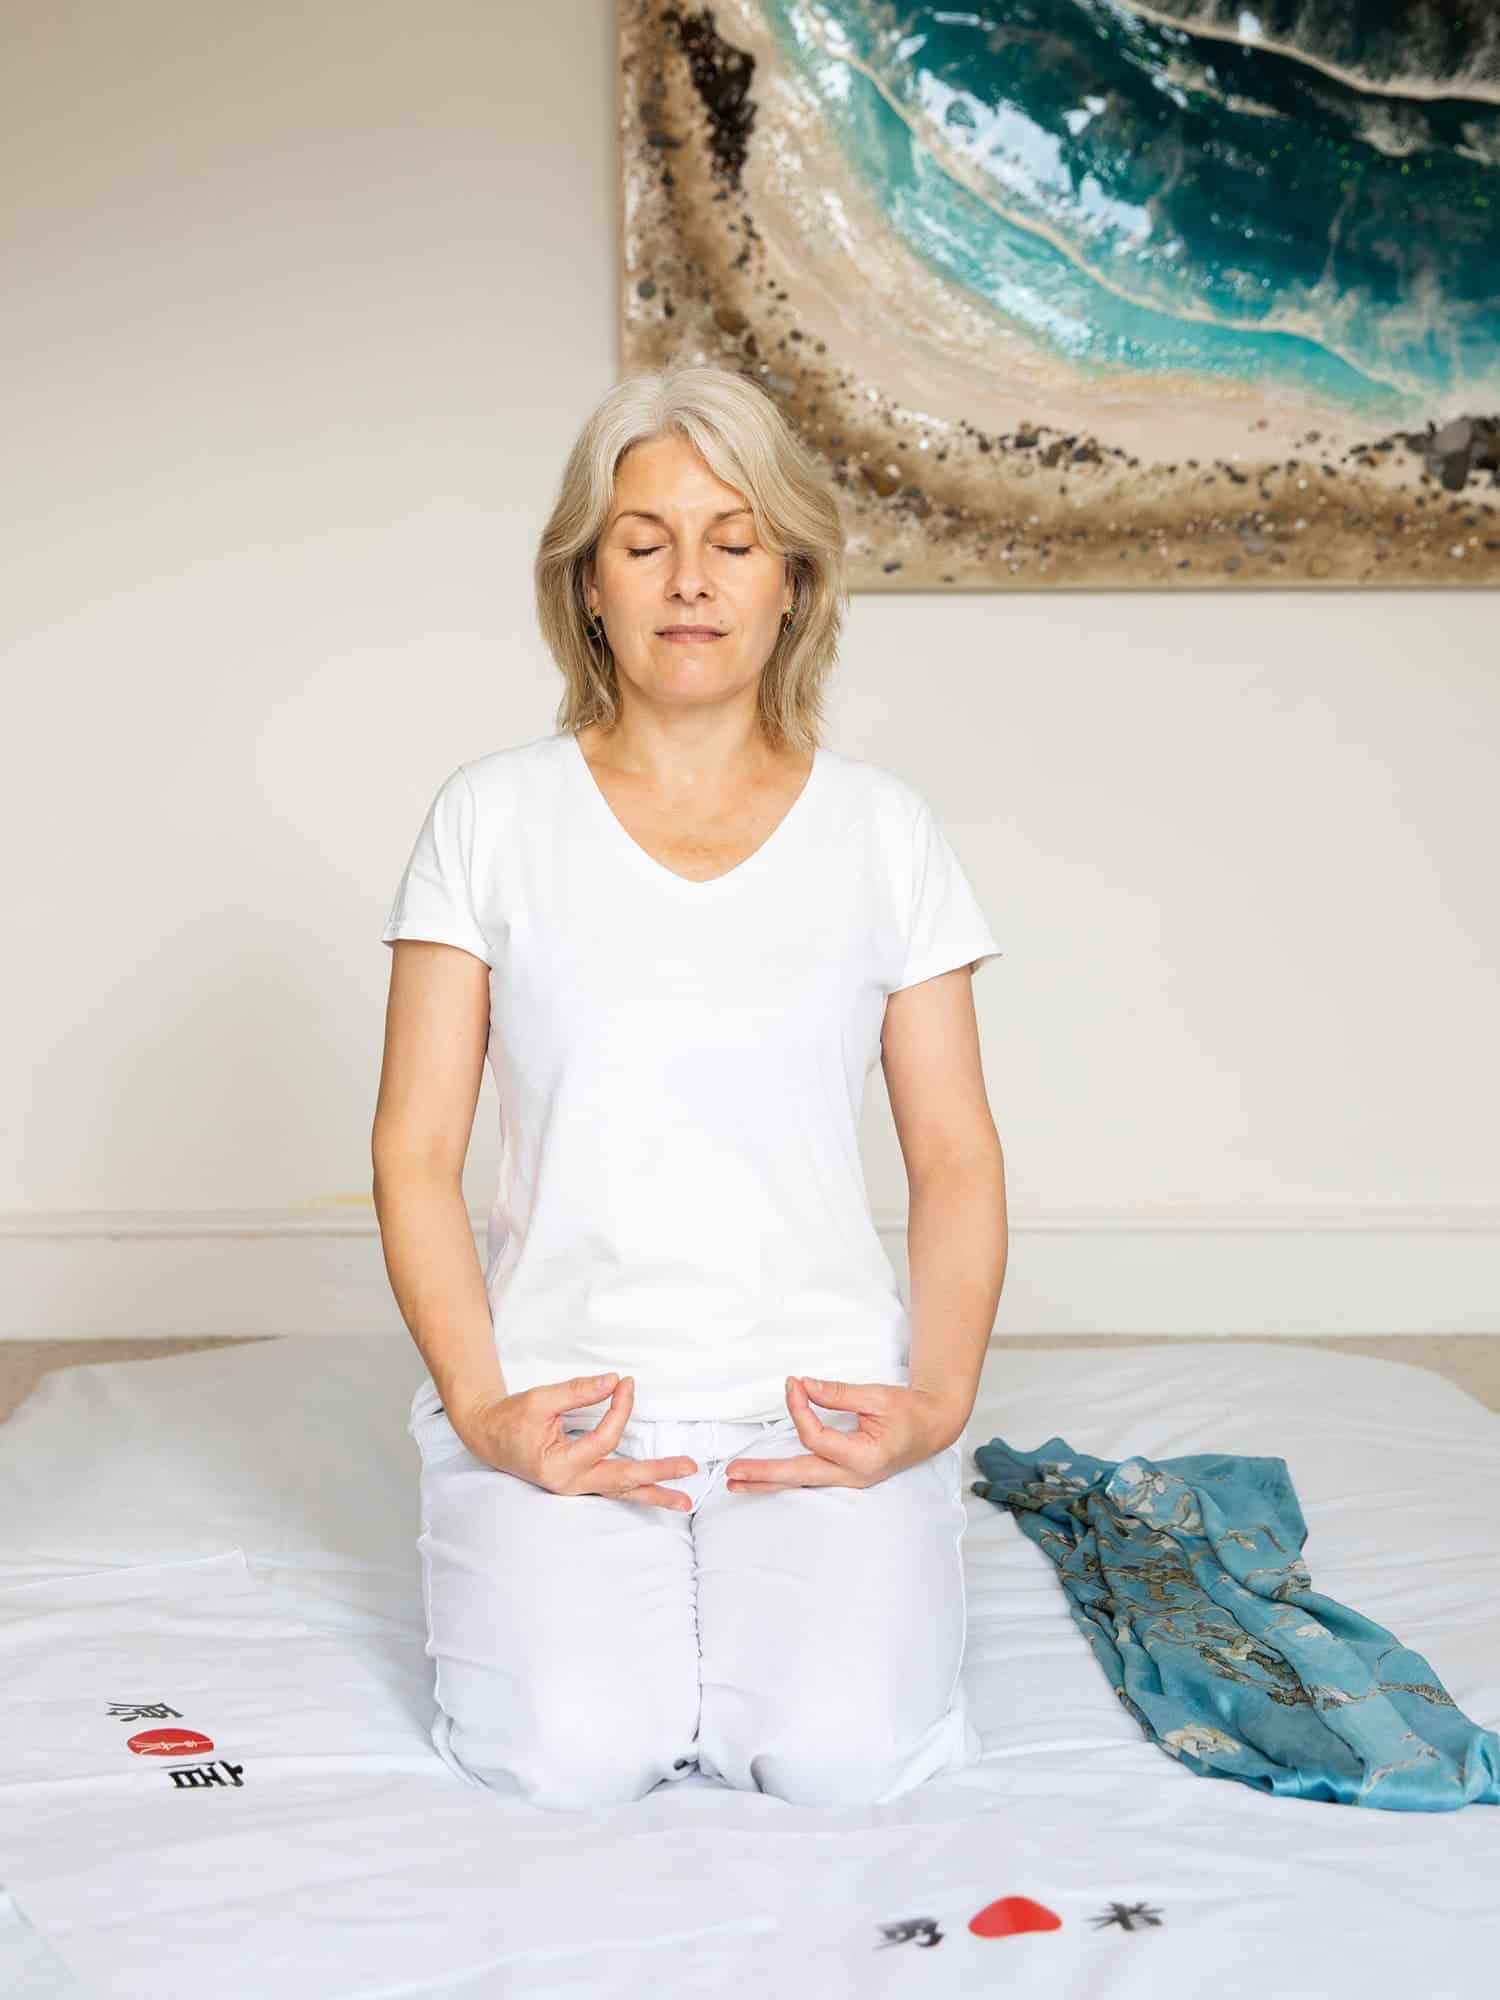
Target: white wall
point(305, 306)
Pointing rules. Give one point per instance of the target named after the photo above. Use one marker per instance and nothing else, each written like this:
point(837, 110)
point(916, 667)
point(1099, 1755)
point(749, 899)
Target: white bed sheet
point(232, 1532)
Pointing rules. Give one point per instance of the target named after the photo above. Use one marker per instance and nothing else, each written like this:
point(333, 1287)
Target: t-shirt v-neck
point(787, 822)
point(680, 1069)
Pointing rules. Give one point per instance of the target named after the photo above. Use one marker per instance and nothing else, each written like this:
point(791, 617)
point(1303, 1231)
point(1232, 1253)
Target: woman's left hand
point(898, 1427)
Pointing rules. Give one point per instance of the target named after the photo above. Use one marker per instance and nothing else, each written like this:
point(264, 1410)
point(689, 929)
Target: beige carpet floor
point(1472, 1360)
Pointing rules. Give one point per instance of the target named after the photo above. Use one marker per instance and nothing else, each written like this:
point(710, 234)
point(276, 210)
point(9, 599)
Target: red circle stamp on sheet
point(169, 1743)
point(1012, 1915)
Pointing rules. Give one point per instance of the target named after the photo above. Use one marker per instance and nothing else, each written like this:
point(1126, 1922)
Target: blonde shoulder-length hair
point(744, 440)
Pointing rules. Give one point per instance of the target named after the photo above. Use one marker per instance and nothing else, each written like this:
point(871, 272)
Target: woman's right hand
point(523, 1434)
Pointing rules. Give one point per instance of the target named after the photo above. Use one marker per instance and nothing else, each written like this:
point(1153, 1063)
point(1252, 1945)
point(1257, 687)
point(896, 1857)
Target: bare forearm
point(438, 1281)
point(957, 1243)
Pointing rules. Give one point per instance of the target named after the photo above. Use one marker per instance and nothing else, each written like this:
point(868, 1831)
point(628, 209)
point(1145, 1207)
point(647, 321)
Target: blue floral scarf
point(1187, 1579)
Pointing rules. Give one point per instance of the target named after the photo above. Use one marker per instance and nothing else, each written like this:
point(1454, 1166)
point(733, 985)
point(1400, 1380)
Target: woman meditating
point(691, 1473)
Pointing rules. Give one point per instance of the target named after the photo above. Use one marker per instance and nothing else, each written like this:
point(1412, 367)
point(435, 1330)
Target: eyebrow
point(640, 514)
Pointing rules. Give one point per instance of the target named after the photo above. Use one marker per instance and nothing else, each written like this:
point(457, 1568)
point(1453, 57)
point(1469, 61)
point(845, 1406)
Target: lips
point(689, 632)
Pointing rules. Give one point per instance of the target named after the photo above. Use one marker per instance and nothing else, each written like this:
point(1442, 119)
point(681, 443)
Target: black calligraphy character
point(909, 1928)
point(1127, 1916)
point(189, 1777)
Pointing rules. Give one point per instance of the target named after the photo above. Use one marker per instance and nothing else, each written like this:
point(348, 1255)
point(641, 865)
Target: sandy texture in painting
point(964, 455)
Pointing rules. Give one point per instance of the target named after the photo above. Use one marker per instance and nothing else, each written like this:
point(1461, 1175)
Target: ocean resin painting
point(1088, 294)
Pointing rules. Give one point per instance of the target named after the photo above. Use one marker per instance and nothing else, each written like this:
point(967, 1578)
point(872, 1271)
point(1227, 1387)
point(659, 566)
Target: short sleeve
point(434, 898)
point(947, 928)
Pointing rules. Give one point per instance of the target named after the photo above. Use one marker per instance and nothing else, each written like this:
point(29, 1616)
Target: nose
point(687, 582)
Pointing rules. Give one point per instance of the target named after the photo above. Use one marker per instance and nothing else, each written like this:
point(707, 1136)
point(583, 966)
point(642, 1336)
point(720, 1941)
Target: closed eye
point(727, 551)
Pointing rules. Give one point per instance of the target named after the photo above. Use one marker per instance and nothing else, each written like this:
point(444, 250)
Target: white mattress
point(232, 1533)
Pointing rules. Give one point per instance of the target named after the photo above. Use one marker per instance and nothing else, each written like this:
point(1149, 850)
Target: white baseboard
point(141, 1276)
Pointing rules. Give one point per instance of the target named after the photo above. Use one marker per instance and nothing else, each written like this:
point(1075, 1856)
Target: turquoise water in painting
point(1149, 194)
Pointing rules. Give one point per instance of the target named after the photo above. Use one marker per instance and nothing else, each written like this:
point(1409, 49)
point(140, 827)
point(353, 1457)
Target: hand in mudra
point(898, 1427)
point(523, 1434)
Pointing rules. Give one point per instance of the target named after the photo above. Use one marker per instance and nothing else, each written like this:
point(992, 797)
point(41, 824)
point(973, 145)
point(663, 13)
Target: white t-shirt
point(680, 1068)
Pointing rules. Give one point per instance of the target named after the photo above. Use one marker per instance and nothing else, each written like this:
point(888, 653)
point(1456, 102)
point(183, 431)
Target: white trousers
point(804, 1642)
